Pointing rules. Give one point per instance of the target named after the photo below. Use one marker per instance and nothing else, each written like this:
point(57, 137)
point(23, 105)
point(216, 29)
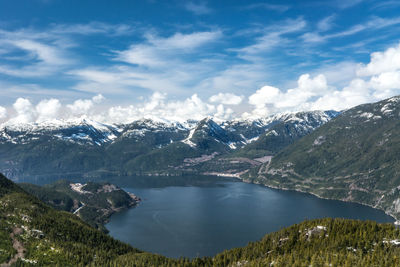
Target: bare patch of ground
point(17, 245)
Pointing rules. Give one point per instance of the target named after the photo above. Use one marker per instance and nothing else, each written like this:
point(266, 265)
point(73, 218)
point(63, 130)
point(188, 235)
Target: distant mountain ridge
point(85, 147)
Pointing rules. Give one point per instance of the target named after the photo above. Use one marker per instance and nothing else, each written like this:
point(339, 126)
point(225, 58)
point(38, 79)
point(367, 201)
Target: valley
point(311, 152)
point(349, 156)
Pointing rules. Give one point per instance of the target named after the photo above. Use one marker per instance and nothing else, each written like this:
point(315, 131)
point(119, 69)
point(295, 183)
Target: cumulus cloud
point(268, 99)
point(82, 106)
point(3, 112)
point(98, 98)
point(226, 99)
point(25, 111)
point(357, 92)
point(158, 108)
point(48, 109)
point(377, 80)
point(386, 61)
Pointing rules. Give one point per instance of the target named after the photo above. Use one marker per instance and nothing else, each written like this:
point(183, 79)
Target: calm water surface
point(203, 221)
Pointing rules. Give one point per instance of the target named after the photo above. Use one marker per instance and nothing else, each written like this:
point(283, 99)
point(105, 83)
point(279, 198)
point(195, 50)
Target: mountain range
point(85, 148)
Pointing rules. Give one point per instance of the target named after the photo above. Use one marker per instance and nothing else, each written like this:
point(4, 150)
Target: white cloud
point(80, 106)
point(25, 111)
point(3, 112)
point(386, 61)
point(357, 92)
point(263, 96)
point(158, 108)
point(226, 99)
point(272, 37)
point(42, 54)
point(166, 64)
point(377, 80)
point(94, 27)
point(83, 106)
point(160, 51)
point(372, 24)
point(180, 64)
point(97, 99)
point(48, 109)
point(223, 113)
point(347, 3)
point(386, 80)
point(198, 8)
point(47, 52)
point(274, 7)
point(326, 23)
point(268, 99)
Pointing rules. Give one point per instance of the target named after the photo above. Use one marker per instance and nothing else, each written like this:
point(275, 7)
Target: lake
point(193, 221)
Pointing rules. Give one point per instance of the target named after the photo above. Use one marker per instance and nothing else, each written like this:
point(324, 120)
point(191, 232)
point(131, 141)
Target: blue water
point(195, 221)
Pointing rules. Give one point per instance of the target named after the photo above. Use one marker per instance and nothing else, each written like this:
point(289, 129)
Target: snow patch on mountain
point(188, 141)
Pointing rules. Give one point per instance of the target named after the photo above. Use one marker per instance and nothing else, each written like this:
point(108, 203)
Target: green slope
point(354, 157)
point(98, 202)
point(283, 133)
point(47, 236)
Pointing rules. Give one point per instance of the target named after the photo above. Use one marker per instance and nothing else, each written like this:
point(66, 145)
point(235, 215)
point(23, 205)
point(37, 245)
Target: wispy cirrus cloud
point(347, 3)
point(198, 8)
point(159, 63)
point(159, 51)
point(326, 23)
point(268, 6)
point(271, 37)
point(386, 4)
point(93, 27)
point(47, 52)
point(374, 23)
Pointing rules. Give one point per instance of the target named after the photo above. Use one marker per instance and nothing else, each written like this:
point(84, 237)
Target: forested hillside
point(92, 202)
point(354, 157)
point(34, 234)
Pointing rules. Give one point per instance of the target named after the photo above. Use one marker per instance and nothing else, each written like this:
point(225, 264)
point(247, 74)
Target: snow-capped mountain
point(86, 147)
point(234, 133)
point(84, 132)
point(239, 133)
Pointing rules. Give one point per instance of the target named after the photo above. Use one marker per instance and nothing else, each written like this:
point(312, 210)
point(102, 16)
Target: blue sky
point(123, 60)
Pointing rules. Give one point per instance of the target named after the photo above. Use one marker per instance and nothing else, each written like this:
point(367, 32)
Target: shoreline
point(237, 176)
point(396, 221)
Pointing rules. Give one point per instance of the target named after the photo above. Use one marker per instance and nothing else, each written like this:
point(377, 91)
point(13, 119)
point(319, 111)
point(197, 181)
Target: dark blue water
point(203, 221)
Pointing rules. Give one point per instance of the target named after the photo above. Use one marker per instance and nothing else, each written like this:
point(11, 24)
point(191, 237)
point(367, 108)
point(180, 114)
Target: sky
point(119, 61)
